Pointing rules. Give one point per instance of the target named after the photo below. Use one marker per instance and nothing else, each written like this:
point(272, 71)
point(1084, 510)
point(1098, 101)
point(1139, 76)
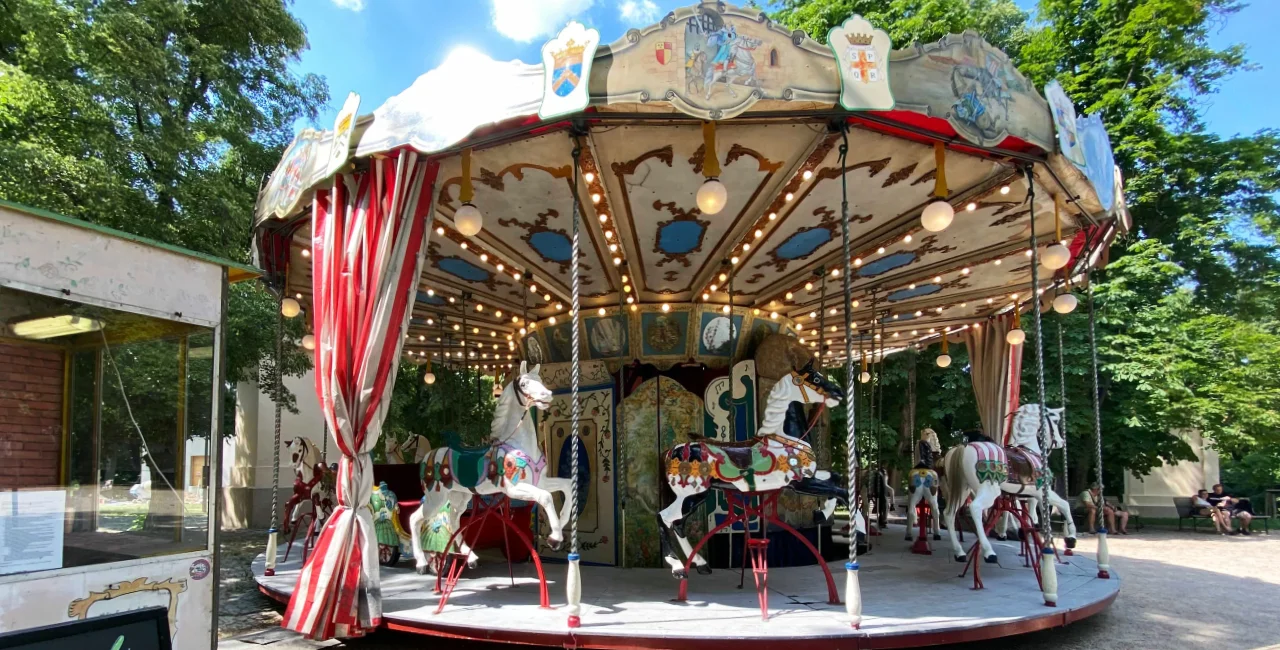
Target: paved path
point(1181, 590)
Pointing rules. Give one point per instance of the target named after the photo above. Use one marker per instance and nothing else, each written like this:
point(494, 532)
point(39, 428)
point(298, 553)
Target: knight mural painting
point(689, 185)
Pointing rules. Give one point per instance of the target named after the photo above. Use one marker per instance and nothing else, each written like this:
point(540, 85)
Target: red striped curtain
point(368, 239)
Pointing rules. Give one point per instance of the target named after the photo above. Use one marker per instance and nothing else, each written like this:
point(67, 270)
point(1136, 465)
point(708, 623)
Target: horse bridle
point(804, 386)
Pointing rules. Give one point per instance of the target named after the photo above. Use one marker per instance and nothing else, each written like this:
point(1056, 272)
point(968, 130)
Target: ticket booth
point(111, 395)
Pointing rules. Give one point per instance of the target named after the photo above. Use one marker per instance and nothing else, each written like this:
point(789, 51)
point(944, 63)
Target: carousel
point(676, 253)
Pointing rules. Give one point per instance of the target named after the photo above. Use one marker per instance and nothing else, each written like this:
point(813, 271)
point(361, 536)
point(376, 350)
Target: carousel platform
point(908, 600)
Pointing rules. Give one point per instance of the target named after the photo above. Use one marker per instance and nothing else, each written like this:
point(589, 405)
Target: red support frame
point(452, 562)
point(924, 515)
point(743, 509)
point(1031, 541)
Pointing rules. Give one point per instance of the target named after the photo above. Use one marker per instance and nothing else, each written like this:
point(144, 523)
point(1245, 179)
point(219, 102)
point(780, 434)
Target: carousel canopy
point(782, 105)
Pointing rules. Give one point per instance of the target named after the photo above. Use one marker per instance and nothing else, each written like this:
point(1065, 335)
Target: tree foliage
point(1187, 311)
point(160, 118)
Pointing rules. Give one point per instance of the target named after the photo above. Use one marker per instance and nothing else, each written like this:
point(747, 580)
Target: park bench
point(1185, 511)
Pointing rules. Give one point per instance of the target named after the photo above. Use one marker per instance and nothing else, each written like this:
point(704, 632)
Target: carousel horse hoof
point(991, 559)
point(1071, 542)
point(1001, 538)
point(962, 558)
point(937, 537)
point(679, 574)
point(704, 569)
point(422, 570)
point(908, 537)
point(472, 562)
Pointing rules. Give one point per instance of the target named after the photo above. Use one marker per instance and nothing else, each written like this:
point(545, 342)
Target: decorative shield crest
point(343, 129)
point(566, 63)
point(662, 52)
point(1064, 122)
point(862, 56)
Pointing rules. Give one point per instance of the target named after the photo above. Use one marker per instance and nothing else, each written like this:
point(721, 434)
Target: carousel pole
point(276, 380)
point(621, 419)
point(1048, 564)
point(881, 476)
point(1104, 554)
point(1062, 400)
point(823, 346)
point(573, 582)
point(852, 590)
point(733, 411)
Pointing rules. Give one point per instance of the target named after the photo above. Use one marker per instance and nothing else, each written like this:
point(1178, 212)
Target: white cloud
point(353, 5)
point(638, 12)
point(526, 20)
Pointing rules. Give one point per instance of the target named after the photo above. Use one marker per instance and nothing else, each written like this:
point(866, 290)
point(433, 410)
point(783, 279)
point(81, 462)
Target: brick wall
point(31, 383)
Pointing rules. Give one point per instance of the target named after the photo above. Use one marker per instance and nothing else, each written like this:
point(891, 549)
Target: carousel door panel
point(716, 403)
point(650, 427)
point(596, 491)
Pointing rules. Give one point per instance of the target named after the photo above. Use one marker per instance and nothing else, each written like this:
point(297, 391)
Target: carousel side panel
point(975, 87)
point(48, 254)
point(184, 586)
point(715, 61)
point(596, 479)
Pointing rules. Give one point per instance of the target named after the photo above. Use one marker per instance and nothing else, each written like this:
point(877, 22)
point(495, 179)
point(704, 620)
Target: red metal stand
point(306, 542)
point(452, 562)
point(742, 509)
point(1031, 541)
point(923, 516)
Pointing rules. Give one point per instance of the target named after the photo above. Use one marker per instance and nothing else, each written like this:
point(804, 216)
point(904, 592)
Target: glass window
point(105, 424)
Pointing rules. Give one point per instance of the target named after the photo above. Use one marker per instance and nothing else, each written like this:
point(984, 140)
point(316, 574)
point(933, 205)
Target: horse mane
point(775, 412)
point(498, 428)
point(1026, 428)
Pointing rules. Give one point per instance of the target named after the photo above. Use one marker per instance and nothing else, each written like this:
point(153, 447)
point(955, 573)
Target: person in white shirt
point(1091, 500)
point(1200, 505)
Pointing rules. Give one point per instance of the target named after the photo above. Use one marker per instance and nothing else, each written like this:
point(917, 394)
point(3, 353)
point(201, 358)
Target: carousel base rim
point(908, 601)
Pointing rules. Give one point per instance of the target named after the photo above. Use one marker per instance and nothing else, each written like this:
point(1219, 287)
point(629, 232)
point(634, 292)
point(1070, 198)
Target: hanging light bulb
point(1065, 303)
point(467, 219)
point(1056, 255)
point(865, 376)
point(944, 359)
point(428, 377)
point(713, 195)
point(938, 214)
point(290, 307)
point(1016, 336)
point(309, 342)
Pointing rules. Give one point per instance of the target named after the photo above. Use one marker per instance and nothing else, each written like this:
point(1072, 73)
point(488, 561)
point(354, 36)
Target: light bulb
point(309, 342)
point(468, 220)
point(944, 360)
point(1065, 303)
point(429, 377)
point(712, 196)
point(937, 216)
point(1055, 257)
point(864, 377)
point(1015, 337)
point(290, 307)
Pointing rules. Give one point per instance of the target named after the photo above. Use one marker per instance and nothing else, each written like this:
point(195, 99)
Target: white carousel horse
point(774, 459)
point(412, 450)
point(924, 483)
point(985, 469)
point(313, 483)
point(513, 464)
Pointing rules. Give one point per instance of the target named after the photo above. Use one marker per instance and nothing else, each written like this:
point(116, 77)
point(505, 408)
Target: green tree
point(160, 118)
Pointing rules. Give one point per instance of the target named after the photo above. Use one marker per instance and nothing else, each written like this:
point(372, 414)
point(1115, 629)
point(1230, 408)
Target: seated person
point(1233, 507)
point(1200, 506)
point(1091, 500)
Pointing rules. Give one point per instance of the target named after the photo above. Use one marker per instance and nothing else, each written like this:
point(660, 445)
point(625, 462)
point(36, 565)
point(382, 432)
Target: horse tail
point(953, 474)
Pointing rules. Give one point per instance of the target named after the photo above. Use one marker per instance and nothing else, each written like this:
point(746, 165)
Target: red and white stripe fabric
point(1013, 390)
point(368, 241)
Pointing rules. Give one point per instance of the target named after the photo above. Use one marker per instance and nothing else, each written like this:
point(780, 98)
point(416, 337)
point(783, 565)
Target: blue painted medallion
point(564, 469)
point(430, 300)
point(463, 269)
point(680, 237)
point(885, 264)
point(552, 246)
point(802, 243)
point(920, 290)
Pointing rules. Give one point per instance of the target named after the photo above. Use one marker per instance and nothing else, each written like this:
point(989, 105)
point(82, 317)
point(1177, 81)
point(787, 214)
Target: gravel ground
point(1180, 590)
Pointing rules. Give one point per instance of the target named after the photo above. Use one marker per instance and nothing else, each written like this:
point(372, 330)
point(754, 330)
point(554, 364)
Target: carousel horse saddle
point(464, 466)
point(1025, 466)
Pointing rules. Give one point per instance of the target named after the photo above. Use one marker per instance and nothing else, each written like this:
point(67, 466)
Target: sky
point(378, 47)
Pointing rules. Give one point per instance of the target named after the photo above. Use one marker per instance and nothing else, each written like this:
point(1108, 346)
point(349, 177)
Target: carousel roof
point(780, 102)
